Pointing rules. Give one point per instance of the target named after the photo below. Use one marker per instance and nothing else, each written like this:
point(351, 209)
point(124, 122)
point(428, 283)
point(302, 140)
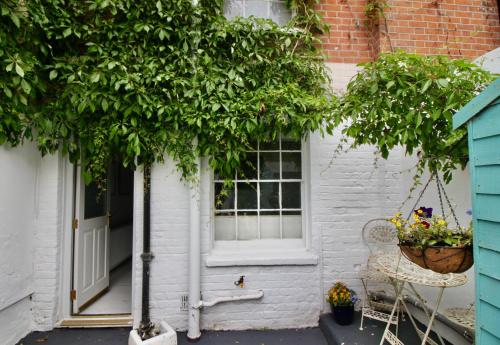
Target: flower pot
point(343, 314)
point(440, 259)
point(167, 336)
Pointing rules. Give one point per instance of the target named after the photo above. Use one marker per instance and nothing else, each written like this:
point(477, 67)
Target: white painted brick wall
point(48, 244)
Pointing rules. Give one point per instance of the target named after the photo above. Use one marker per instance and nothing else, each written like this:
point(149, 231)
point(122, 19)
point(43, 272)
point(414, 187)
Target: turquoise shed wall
point(484, 152)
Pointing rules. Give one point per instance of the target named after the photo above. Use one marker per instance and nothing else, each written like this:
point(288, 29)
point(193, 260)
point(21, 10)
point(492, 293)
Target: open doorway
point(102, 247)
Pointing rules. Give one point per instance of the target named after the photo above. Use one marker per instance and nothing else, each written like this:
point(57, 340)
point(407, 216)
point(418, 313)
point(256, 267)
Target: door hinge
point(74, 224)
point(72, 295)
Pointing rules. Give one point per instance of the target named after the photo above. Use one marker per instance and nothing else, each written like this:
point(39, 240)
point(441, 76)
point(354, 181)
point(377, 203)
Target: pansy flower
point(425, 212)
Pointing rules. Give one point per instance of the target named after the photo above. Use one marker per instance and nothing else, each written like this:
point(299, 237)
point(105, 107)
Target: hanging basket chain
point(452, 210)
point(440, 197)
point(420, 196)
point(441, 193)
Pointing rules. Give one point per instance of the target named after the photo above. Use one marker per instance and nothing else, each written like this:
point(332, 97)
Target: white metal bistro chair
point(464, 317)
point(380, 236)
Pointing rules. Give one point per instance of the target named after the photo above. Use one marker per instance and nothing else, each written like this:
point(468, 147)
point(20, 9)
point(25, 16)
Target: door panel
point(91, 247)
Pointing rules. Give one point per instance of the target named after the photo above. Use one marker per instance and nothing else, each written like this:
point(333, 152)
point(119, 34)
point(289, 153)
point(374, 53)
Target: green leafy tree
point(409, 100)
point(94, 78)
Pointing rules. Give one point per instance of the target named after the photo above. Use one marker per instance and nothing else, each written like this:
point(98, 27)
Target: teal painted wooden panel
point(489, 319)
point(488, 123)
point(488, 339)
point(489, 291)
point(487, 235)
point(487, 207)
point(489, 264)
point(488, 179)
point(485, 151)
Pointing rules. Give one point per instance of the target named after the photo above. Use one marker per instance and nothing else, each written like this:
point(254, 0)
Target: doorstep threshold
point(95, 321)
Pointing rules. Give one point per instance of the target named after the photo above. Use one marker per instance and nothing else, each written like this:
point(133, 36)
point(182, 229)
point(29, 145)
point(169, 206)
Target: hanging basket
point(440, 259)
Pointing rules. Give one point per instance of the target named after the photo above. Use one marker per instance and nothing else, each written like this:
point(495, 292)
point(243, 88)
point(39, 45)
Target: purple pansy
point(426, 212)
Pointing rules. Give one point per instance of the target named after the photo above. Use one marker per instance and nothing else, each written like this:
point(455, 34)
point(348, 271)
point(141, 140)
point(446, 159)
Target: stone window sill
point(224, 258)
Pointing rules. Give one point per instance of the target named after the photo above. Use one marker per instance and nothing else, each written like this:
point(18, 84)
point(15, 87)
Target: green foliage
point(409, 100)
point(96, 78)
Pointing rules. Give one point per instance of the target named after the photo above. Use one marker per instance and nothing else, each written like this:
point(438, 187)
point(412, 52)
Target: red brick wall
point(460, 28)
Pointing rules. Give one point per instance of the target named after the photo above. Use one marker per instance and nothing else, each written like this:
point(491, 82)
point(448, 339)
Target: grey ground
point(119, 336)
point(333, 333)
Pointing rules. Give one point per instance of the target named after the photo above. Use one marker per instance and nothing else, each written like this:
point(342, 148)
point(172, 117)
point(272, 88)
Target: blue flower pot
point(343, 314)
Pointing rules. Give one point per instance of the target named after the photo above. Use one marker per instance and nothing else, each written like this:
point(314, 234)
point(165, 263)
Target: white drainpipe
point(194, 259)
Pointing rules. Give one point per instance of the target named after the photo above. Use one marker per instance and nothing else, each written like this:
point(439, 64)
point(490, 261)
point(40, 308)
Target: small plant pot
point(440, 259)
point(343, 314)
point(167, 336)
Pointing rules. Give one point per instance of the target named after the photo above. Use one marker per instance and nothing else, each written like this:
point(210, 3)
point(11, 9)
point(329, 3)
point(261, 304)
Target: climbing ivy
point(408, 100)
point(96, 78)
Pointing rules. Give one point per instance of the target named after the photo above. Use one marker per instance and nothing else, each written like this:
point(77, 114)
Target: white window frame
point(266, 251)
point(268, 14)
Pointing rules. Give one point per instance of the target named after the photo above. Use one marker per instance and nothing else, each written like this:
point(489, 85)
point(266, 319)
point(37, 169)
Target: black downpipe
point(146, 327)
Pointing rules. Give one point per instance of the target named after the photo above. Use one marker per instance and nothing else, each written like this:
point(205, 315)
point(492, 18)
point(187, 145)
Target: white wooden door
point(91, 243)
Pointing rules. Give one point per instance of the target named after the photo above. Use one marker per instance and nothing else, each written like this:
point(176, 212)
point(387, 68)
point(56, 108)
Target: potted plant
point(342, 300)
point(429, 241)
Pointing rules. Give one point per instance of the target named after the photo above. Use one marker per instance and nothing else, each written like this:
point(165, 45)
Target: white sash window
point(266, 199)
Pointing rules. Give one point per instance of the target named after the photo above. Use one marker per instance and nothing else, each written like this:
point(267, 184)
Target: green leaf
point(443, 83)
point(216, 106)
point(25, 86)
point(94, 78)
point(15, 20)
point(7, 91)
point(52, 74)
point(19, 71)
point(104, 104)
point(159, 7)
point(67, 32)
point(426, 86)
point(81, 107)
point(288, 41)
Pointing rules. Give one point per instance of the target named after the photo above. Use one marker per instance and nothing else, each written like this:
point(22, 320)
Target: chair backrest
point(380, 236)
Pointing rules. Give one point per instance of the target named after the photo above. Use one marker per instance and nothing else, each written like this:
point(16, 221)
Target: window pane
point(247, 195)
point(280, 14)
point(247, 226)
point(225, 227)
point(291, 166)
point(270, 195)
point(95, 202)
point(290, 192)
point(269, 165)
point(292, 225)
point(288, 143)
point(258, 8)
point(226, 201)
point(270, 224)
point(233, 8)
point(248, 170)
